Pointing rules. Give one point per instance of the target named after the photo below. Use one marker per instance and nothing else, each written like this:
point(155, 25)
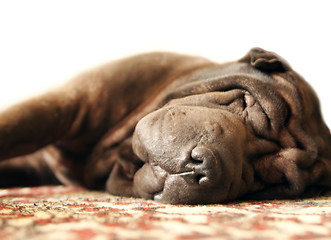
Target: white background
point(43, 43)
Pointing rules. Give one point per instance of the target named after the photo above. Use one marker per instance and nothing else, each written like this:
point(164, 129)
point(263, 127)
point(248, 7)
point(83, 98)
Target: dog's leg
point(29, 170)
point(31, 125)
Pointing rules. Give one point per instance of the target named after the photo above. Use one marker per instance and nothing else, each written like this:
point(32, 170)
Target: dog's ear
point(265, 61)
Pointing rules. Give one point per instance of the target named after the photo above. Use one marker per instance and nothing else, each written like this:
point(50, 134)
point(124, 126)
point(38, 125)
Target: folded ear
point(265, 61)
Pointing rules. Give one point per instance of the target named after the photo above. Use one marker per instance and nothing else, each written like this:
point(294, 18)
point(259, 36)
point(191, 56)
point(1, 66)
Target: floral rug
point(59, 212)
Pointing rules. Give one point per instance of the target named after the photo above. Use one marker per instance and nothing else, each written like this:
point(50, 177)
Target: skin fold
point(174, 128)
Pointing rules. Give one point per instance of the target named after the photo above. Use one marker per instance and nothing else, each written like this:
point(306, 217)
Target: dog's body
point(173, 128)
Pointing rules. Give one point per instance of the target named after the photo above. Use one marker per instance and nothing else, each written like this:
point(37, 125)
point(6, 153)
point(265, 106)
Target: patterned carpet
point(73, 213)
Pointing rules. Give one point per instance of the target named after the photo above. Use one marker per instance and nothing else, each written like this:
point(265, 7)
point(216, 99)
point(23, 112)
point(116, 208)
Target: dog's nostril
point(198, 177)
point(193, 163)
point(197, 157)
point(195, 160)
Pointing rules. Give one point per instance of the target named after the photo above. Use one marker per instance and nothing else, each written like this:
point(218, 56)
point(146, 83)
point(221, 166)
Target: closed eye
point(238, 105)
point(244, 104)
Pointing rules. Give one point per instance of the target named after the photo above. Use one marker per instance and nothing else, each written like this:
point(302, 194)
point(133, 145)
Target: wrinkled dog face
point(195, 148)
point(190, 151)
point(245, 128)
point(251, 127)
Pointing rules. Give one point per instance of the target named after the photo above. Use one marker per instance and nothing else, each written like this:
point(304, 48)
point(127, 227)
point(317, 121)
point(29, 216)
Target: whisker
point(171, 114)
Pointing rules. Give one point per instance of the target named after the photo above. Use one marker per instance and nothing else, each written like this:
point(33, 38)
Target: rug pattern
point(60, 212)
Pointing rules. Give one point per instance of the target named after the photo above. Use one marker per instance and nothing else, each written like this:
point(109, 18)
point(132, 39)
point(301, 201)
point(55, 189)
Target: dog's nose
point(202, 167)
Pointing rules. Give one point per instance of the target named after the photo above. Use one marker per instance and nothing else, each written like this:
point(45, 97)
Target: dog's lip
point(158, 196)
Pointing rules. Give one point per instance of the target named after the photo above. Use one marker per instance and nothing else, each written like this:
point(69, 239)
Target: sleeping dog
point(177, 129)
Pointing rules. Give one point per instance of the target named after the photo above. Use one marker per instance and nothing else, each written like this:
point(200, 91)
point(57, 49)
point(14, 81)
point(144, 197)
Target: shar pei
point(177, 129)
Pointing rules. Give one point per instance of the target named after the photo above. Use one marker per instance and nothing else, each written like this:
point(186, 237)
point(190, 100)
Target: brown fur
point(173, 128)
